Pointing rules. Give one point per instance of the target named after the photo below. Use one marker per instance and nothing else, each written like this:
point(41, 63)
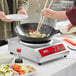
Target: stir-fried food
point(35, 34)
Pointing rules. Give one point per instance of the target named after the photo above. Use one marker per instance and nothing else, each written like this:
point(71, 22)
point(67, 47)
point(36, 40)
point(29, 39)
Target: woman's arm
point(54, 14)
point(70, 14)
point(60, 15)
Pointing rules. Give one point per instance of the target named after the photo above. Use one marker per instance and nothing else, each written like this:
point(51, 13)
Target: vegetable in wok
point(35, 34)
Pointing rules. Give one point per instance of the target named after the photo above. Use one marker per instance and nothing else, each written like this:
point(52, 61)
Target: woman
point(10, 7)
point(34, 12)
point(70, 14)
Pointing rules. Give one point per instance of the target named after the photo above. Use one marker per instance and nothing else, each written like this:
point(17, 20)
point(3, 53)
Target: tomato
point(16, 67)
point(17, 70)
point(21, 72)
point(70, 41)
point(30, 31)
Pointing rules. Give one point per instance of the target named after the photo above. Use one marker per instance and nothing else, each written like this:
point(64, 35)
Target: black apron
point(10, 6)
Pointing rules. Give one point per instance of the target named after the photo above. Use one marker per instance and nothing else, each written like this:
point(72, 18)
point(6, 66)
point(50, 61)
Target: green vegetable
point(27, 34)
point(2, 73)
point(4, 69)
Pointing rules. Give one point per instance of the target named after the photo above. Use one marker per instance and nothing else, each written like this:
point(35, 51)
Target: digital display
point(52, 50)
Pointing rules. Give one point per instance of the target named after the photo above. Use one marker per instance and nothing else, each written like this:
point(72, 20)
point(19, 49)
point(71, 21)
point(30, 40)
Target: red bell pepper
point(30, 31)
point(70, 41)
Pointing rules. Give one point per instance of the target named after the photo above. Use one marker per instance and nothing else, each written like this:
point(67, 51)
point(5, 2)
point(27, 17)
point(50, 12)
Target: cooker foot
point(39, 63)
point(65, 55)
point(11, 52)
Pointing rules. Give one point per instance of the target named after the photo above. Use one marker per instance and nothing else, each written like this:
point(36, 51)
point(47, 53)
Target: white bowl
point(62, 26)
point(6, 58)
point(28, 74)
point(16, 17)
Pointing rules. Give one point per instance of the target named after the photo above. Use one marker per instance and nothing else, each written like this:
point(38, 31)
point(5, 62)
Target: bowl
point(29, 70)
point(6, 58)
point(16, 17)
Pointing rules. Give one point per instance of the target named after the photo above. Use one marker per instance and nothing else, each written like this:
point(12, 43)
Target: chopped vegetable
point(18, 69)
point(2, 73)
point(30, 31)
point(22, 69)
point(5, 70)
point(22, 72)
point(70, 41)
point(35, 34)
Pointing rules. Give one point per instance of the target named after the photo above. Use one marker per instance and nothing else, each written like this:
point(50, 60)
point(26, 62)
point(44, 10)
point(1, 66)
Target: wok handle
point(58, 31)
point(16, 30)
point(53, 33)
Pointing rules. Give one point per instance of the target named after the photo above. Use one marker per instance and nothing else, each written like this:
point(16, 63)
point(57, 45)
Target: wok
point(22, 29)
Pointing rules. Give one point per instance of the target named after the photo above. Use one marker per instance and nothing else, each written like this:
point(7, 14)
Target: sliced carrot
point(70, 41)
point(17, 68)
point(22, 72)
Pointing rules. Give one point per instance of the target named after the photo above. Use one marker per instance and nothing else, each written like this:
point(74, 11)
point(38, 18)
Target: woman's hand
point(22, 11)
point(53, 14)
point(3, 17)
point(70, 26)
point(48, 13)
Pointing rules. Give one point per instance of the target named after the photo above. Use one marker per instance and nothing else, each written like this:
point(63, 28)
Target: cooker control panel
point(52, 50)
